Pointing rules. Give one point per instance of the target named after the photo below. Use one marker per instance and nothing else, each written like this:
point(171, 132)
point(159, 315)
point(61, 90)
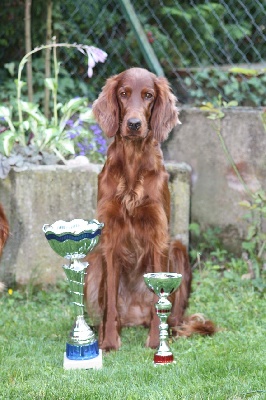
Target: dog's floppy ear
point(106, 109)
point(164, 114)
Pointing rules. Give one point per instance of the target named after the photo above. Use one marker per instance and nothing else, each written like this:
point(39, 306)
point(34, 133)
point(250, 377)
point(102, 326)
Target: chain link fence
point(206, 48)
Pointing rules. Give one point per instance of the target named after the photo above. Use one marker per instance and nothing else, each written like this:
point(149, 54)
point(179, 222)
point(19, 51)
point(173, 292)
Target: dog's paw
point(108, 344)
point(152, 342)
point(109, 338)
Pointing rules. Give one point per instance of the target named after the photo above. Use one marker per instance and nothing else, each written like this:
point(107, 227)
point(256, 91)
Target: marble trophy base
point(93, 363)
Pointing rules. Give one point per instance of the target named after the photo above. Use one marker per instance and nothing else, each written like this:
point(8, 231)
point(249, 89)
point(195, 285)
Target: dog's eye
point(148, 95)
point(123, 94)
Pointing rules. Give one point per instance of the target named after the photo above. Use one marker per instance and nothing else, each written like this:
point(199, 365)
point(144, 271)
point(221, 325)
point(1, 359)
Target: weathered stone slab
point(216, 191)
point(45, 194)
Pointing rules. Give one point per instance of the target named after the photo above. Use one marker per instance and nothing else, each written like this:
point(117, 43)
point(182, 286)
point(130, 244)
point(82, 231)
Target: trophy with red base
point(163, 284)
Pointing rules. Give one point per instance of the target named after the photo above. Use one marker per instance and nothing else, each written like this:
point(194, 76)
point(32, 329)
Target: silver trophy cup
point(163, 284)
point(73, 240)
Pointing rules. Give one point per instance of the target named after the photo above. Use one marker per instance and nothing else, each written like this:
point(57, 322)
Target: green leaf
point(245, 203)
point(251, 232)
point(26, 125)
point(188, 81)
point(176, 12)
point(19, 84)
point(33, 110)
point(28, 106)
point(216, 267)
point(207, 106)
point(49, 134)
point(10, 67)
point(238, 32)
point(50, 83)
point(7, 140)
point(249, 246)
point(195, 228)
point(219, 115)
point(67, 146)
point(231, 88)
point(5, 112)
point(232, 103)
point(246, 71)
point(87, 116)
point(74, 104)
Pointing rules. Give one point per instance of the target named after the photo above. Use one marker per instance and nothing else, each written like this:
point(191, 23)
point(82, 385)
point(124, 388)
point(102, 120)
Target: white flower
point(94, 54)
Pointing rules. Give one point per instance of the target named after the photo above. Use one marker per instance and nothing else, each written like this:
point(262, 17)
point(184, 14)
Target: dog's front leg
point(110, 327)
point(153, 337)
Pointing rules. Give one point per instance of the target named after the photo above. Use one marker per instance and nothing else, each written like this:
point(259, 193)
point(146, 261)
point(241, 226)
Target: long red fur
point(134, 204)
point(4, 229)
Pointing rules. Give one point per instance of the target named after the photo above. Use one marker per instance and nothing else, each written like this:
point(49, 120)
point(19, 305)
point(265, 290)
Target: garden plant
point(28, 136)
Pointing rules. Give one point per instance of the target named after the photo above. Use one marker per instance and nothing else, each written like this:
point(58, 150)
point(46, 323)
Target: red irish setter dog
point(4, 229)
point(138, 109)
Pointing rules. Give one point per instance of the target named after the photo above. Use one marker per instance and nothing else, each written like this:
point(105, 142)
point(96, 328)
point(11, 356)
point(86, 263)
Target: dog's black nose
point(134, 124)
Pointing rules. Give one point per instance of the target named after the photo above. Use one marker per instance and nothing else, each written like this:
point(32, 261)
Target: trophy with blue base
point(73, 240)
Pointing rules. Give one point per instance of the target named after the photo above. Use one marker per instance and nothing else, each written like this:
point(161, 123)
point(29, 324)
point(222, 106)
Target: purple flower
point(96, 129)
point(102, 149)
point(71, 134)
point(92, 145)
point(70, 122)
point(82, 151)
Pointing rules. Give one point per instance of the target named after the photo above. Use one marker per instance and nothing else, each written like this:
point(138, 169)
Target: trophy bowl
point(163, 284)
point(73, 240)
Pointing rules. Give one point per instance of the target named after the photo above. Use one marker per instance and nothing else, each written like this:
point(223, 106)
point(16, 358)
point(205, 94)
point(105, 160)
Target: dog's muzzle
point(134, 124)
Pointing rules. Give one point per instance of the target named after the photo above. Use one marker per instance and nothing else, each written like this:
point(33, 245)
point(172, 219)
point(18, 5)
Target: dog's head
point(135, 102)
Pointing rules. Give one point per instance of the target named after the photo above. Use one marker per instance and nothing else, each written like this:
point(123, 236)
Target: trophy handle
point(44, 228)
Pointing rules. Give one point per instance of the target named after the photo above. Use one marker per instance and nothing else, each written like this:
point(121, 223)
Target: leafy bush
point(27, 134)
point(245, 86)
point(255, 242)
point(183, 35)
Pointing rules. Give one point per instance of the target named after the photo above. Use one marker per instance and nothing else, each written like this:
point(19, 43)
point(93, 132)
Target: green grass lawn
point(230, 365)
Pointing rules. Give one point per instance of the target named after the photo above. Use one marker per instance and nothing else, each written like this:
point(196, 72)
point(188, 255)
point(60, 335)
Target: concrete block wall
point(45, 194)
point(215, 189)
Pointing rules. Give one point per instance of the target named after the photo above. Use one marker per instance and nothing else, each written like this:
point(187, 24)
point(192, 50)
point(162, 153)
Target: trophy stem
point(75, 273)
point(163, 355)
point(82, 343)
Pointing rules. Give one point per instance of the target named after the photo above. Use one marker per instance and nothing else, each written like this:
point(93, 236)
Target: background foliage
point(192, 41)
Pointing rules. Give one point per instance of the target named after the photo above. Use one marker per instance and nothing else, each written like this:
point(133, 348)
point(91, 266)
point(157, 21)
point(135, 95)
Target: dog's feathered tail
point(195, 324)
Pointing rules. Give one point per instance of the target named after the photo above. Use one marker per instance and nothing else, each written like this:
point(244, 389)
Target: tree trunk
point(48, 55)
point(28, 47)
